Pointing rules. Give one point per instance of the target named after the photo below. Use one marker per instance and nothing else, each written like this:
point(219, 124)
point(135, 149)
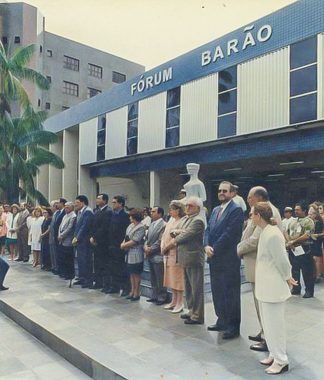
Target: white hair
point(196, 201)
point(69, 204)
point(52, 203)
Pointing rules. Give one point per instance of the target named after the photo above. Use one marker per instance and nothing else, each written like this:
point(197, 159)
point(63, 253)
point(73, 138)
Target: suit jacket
point(272, 267)
point(224, 233)
point(66, 229)
point(153, 240)
point(101, 226)
point(83, 225)
point(119, 223)
point(58, 220)
point(22, 222)
point(190, 248)
point(51, 234)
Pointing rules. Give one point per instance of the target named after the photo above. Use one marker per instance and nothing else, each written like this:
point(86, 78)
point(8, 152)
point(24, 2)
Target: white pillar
point(70, 158)
point(55, 175)
point(87, 185)
point(154, 188)
point(42, 179)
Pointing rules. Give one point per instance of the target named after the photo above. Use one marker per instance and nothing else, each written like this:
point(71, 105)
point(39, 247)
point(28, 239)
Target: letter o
point(264, 33)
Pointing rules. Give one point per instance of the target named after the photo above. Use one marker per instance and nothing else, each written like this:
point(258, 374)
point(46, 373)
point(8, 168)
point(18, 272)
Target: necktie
point(220, 212)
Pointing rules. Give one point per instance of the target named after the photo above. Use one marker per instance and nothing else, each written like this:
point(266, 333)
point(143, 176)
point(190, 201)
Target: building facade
point(75, 71)
point(248, 107)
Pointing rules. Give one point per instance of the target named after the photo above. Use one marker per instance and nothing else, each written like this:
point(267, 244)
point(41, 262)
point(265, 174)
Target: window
point(49, 53)
point(49, 78)
point(132, 128)
point(92, 92)
point(17, 40)
point(303, 81)
point(40, 48)
point(173, 118)
point(71, 63)
point(48, 106)
point(70, 88)
point(94, 70)
point(118, 77)
point(4, 40)
point(227, 102)
point(39, 102)
point(101, 137)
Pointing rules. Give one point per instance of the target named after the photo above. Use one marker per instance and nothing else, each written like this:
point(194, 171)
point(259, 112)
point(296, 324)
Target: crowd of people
point(108, 247)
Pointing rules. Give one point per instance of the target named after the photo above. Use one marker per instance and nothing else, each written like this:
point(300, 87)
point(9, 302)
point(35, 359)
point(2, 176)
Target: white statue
point(195, 188)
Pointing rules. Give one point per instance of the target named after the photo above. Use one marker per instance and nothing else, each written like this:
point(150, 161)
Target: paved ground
point(22, 357)
point(143, 341)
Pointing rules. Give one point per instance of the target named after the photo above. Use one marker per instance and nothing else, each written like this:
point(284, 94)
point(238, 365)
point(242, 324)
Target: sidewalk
point(143, 341)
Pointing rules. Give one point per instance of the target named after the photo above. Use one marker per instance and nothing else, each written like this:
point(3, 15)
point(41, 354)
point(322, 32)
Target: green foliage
point(22, 139)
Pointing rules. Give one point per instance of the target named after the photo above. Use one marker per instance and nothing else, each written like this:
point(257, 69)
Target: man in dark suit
point(81, 241)
point(117, 266)
point(222, 235)
point(58, 248)
point(100, 239)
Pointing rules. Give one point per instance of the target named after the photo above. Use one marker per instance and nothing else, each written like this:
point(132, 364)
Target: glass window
point(132, 128)
point(118, 77)
point(173, 117)
point(17, 40)
point(101, 137)
point(303, 53)
point(92, 92)
point(226, 125)
point(94, 70)
point(303, 108)
point(49, 53)
point(227, 79)
point(173, 97)
point(133, 111)
point(101, 153)
point(172, 137)
point(303, 80)
point(70, 88)
point(227, 102)
point(132, 145)
point(102, 122)
point(4, 40)
point(71, 63)
point(47, 106)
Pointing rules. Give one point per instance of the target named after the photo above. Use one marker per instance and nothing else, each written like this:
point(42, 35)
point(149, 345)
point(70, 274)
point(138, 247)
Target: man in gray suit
point(22, 233)
point(247, 249)
point(152, 250)
point(188, 239)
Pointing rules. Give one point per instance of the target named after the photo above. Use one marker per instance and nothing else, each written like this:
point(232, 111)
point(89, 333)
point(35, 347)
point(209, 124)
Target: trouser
point(226, 292)
point(159, 292)
point(194, 290)
point(304, 264)
point(45, 256)
point(59, 258)
point(4, 267)
point(84, 259)
point(68, 262)
point(22, 244)
point(118, 269)
point(53, 255)
point(256, 303)
point(100, 257)
point(273, 321)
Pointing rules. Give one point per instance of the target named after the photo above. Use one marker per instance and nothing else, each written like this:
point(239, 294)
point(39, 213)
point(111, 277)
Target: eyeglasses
point(222, 191)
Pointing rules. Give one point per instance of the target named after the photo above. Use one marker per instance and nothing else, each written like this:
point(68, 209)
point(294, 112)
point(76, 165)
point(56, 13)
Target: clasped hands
point(209, 251)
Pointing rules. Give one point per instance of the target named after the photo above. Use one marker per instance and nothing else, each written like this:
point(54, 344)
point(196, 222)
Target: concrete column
point(87, 185)
point(70, 158)
point(154, 188)
point(55, 175)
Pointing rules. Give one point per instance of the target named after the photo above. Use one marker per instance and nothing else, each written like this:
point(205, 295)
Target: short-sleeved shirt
point(301, 226)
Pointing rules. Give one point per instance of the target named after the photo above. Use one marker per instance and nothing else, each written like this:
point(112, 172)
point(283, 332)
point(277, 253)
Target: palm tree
point(22, 138)
point(12, 71)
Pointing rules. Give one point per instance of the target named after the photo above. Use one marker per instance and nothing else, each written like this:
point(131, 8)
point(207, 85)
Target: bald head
point(257, 194)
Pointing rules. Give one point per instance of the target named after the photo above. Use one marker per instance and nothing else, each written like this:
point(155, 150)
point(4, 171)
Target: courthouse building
point(247, 106)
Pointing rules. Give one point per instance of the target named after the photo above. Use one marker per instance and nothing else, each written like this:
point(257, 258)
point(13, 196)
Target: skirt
point(135, 268)
point(36, 246)
point(10, 241)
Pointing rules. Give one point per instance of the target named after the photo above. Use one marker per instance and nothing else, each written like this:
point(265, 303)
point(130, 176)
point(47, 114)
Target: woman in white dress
point(35, 234)
point(272, 280)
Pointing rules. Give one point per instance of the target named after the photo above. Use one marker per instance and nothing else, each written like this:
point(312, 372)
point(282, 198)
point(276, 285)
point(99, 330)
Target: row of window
point(5, 40)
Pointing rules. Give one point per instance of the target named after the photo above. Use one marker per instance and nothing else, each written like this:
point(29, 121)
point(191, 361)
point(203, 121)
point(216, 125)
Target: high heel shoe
point(169, 306)
point(277, 369)
point(266, 361)
point(129, 297)
point(135, 298)
point(177, 309)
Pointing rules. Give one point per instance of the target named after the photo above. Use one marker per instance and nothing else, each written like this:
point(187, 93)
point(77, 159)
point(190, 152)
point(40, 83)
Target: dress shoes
point(151, 300)
point(3, 288)
point(267, 361)
point(78, 282)
point(177, 309)
point(295, 292)
point(192, 322)
point(256, 338)
point(169, 306)
point(112, 291)
point(216, 327)
point(185, 316)
point(25, 260)
point(261, 346)
point(18, 259)
point(308, 295)
point(230, 334)
point(159, 303)
point(129, 297)
point(277, 369)
point(135, 298)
